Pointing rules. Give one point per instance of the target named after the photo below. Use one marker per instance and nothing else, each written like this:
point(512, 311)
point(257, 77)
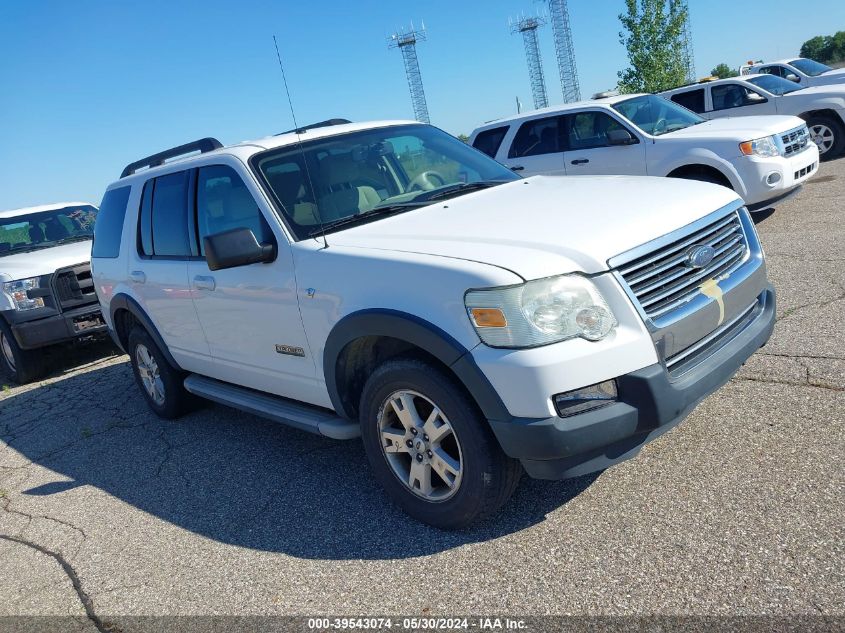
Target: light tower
point(406, 42)
point(528, 27)
point(565, 52)
point(686, 40)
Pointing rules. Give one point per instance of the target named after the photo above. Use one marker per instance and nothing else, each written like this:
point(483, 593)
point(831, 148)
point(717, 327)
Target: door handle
point(517, 168)
point(580, 161)
point(204, 282)
point(138, 276)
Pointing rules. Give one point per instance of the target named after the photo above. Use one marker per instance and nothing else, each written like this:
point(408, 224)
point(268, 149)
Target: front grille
point(662, 280)
point(795, 140)
point(806, 170)
point(74, 286)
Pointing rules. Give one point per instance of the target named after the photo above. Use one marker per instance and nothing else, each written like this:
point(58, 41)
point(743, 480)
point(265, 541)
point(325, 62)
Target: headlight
point(540, 312)
point(765, 147)
point(17, 290)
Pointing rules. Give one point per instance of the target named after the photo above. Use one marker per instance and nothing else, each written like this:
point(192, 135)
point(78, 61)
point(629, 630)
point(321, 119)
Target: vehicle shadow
point(233, 477)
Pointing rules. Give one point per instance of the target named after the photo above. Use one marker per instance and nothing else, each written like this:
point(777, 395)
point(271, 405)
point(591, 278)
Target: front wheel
point(430, 448)
point(21, 365)
point(828, 134)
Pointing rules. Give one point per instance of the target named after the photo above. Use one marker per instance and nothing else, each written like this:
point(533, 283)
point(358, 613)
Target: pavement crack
point(7, 507)
point(774, 381)
point(84, 598)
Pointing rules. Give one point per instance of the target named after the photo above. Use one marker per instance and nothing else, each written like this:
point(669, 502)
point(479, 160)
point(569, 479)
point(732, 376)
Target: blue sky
point(89, 86)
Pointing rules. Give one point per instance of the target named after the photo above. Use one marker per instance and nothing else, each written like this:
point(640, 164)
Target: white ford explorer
point(47, 295)
point(822, 107)
point(385, 280)
point(648, 135)
point(805, 72)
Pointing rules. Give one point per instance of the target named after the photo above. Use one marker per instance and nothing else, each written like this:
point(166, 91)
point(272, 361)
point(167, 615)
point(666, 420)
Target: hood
point(545, 225)
point(832, 77)
point(44, 261)
point(835, 91)
point(741, 128)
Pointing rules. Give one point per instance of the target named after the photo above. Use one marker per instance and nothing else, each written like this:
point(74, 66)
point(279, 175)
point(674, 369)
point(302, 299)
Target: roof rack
point(203, 145)
point(325, 123)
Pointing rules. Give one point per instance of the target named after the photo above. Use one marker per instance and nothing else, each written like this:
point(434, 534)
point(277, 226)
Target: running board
point(300, 416)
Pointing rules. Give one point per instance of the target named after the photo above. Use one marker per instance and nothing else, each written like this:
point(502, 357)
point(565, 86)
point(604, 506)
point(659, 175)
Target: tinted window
point(489, 141)
point(692, 100)
point(46, 229)
point(145, 222)
point(108, 228)
point(777, 71)
point(586, 130)
point(775, 85)
point(810, 67)
point(537, 137)
point(735, 95)
point(225, 203)
point(170, 221)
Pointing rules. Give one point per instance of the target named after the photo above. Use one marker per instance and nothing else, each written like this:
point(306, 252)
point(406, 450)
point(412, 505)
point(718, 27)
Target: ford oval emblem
point(700, 255)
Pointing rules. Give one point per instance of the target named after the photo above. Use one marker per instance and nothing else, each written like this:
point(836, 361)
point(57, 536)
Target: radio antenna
point(299, 143)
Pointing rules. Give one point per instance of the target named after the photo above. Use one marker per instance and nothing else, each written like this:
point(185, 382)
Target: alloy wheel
point(420, 445)
point(149, 373)
point(822, 136)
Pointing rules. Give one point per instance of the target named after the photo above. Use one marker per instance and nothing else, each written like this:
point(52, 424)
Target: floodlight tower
point(686, 38)
point(406, 42)
point(528, 27)
point(559, 12)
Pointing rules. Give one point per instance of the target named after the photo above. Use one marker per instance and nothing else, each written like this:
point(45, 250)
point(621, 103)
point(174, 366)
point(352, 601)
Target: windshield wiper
point(374, 212)
point(458, 189)
point(74, 238)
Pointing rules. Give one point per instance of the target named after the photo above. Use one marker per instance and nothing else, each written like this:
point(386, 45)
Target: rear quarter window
point(691, 100)
point(108, 227)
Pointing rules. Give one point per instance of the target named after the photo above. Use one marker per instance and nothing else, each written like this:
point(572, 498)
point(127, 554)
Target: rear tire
point(20, 365)
point(430, 448)
point(828, 134)
point(160, 383)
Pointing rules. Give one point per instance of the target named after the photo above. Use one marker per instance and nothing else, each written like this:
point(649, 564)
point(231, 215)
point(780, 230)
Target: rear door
point(536, 148)
point(589, 152)
point(738, 99)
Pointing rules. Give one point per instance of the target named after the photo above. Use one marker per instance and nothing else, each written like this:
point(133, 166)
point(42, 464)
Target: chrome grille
point(795, 140)
point(75, 286)
point(663, 281)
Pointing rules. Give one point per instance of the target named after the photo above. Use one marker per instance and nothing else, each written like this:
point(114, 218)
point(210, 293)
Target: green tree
point(819, 48)
point(723, 71)
point(652, 34)
point(463, 137)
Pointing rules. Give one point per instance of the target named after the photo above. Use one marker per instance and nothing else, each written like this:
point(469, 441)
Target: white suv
point(385, 280)
point(648, 135)
point(803, 71)
point(46, 291)
point(823, 107)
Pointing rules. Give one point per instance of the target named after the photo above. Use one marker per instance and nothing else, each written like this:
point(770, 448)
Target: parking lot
point(109, 511)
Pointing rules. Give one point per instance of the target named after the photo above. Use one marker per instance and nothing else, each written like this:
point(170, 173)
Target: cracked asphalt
point(109, 512)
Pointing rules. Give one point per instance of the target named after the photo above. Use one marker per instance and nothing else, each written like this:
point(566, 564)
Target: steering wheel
point(657, 124)
point(426, 181)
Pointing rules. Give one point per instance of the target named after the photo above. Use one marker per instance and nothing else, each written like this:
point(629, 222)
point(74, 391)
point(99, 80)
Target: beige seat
point(343, 197)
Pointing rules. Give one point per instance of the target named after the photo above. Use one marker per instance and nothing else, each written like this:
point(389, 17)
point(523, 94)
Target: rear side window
point(692, 100)
point(163, 218)
point(108, 226)
point(489, 141)
point(537, 137)
point(225, 203)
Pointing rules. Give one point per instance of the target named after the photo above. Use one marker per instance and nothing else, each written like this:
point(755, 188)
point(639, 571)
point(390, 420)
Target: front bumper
point(67, 326)
point(650, 403)
point(792, 171)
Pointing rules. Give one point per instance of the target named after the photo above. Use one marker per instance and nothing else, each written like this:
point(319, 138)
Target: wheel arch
point(684, 171)
point(125, 313)
point(363, 339)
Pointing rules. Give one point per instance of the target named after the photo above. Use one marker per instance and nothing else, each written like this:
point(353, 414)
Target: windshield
point(655, 115)
point(44, 229)
point(776, 85)
point(353, 178)
point(810, 67)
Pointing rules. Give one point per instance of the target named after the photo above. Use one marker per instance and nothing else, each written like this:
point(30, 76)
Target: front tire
point(21, 365)
point(160, 383)
point(430, 448)
point(828, 134)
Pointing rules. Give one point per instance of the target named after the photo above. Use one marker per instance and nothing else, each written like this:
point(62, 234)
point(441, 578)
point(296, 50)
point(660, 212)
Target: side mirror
point(236, 247)
point(620, 137)
point(752, 98)
point(794, 78)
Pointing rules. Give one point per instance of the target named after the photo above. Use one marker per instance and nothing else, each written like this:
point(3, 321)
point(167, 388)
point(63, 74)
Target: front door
point(589, 152)
point(250, 314)
point(736, 99)
point(536, 148)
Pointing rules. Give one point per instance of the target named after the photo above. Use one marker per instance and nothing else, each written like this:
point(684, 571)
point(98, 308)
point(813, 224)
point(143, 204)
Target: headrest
point(339, 169)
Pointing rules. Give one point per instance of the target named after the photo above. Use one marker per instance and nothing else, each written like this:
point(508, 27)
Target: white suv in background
point(385, 280)
point(823, 107)
point(803, 71)
point(46, 292)
point(649, 135)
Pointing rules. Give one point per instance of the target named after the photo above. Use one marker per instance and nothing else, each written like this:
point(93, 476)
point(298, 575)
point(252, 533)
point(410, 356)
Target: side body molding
point(422, 334)
point(122, 301)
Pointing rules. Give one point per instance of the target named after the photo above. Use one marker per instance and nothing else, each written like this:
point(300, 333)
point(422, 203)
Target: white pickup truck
point(822, 107)
point(649, 135)
point(46, 291)
point(386, 281)
point(805, 72)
